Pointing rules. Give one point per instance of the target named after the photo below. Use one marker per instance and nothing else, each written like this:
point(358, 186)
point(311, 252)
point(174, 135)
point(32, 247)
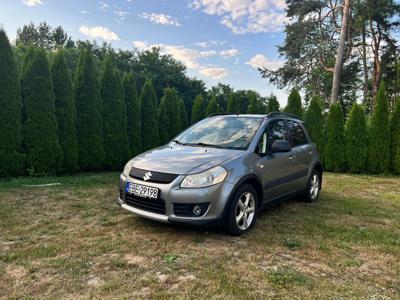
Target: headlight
point(210, 177)
point(127, 169)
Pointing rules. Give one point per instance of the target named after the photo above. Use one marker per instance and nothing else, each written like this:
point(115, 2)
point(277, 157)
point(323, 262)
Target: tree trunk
point(365, 69)
point(340, 50)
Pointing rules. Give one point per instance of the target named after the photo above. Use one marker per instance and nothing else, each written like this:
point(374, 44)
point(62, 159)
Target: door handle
point(291, 157)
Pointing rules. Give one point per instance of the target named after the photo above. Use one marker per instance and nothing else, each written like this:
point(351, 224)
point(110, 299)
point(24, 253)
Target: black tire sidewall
point(230, 225)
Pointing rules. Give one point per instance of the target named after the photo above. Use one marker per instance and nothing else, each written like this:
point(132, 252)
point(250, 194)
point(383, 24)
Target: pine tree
point(314, 122)
point(65, 112)
point(89, 123)
point(183, 115)
point(294, 104)
point(272, 104)
point(11, 159)
point(233, 105)
point(378, 135)
point(172, 106)
point(43, 150)
point(395, 139)
point(116, 146)
point(198, 110)
point(253, 107)
point(163, 121)
point(212, 106)
point(148, 108)
point(334, 150)
point(133, 114)
point(356, 140)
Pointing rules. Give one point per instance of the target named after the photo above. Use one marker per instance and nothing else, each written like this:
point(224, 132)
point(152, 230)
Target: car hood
point(180, 159)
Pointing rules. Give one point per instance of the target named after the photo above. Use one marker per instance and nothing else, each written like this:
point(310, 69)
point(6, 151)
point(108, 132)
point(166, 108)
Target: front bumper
point(217, 196)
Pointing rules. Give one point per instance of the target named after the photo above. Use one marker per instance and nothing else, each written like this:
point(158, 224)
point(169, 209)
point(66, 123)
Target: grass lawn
point(73, 241)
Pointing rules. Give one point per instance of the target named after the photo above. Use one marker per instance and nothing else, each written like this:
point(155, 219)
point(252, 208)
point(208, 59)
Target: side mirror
point(280, 146)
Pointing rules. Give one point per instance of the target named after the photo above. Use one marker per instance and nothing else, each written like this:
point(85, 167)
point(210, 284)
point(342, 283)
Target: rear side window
point(297, 134)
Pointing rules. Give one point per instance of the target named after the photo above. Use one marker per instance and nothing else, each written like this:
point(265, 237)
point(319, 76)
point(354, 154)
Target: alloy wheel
point(245, 210)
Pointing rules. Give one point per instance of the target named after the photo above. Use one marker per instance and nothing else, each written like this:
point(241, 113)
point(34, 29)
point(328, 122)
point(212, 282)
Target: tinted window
point(298, 137)
point(276, 130)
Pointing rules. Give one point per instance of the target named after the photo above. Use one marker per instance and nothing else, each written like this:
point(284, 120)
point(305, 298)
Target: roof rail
point(279, 113)
point(221, 114)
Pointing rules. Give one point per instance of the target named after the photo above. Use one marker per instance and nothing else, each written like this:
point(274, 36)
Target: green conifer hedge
point(65, 112)
point(148, 107)
point(89, 121)
point(11, 159)
point(43, 150)
point(356, 140)
point(134, 116)
point(378, 135)
point(334, 159)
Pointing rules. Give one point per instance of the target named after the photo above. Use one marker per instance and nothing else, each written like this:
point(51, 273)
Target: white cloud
point(214, 73)
point(242, 16)
point(260, 61)
point(229, 53)
point(210, 43)
point(103, 5)
point(140, 45)
point(189, 56)
point(99, 32)
point(162, 19)
point(121, 15)
point(32, 2)
point(83, 12)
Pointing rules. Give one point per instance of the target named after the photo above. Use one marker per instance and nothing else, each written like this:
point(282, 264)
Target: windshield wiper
point(203, 145)
point(178, 142)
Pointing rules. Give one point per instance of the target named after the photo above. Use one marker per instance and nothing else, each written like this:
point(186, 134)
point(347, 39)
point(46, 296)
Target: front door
point(277, 168)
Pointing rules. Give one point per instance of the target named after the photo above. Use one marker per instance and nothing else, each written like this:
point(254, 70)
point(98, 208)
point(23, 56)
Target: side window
point(276, 130)
point(298, 137)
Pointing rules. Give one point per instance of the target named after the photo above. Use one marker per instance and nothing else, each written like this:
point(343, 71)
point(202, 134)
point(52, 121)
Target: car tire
point(313, 186)
point(242, 211)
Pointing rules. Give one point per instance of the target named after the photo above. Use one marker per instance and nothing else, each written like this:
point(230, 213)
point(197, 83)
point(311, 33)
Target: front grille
point(186, 210)
point(156, 177)
point(152, 205)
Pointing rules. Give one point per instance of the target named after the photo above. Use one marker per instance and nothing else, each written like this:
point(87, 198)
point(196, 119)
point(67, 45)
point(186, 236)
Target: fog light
point(197, 210)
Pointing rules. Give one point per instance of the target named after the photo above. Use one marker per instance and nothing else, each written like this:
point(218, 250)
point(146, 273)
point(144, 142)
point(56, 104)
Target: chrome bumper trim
point(145, 214)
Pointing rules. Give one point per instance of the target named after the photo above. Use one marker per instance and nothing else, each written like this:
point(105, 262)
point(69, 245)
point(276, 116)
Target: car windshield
point(221, 132)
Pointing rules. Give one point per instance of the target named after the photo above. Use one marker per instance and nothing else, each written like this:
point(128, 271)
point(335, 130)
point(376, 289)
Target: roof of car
point(270, 115)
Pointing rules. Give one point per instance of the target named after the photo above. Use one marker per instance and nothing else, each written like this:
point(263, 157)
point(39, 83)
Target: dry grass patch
point(73, 242)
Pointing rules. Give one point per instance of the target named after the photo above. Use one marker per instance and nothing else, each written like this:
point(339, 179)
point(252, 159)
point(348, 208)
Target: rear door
point(276, 168)
point(303, 150)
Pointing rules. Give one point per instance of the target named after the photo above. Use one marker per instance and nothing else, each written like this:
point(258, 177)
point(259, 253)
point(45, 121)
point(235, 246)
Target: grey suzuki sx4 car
point(222, 171)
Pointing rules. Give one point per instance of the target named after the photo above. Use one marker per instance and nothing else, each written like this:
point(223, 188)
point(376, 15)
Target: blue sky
point(219, 40)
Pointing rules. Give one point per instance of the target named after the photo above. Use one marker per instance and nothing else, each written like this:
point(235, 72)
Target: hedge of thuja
point(212, 106)
point(395, 139)
point(11, 157)
point(314, 122)
point(65, 112)
point(378, 135)
point(334, 159)
point(198, 109)
point(356, 140)
point(50, 123)
point(294, 104)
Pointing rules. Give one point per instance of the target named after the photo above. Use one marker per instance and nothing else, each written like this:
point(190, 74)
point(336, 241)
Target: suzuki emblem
point(147, 176)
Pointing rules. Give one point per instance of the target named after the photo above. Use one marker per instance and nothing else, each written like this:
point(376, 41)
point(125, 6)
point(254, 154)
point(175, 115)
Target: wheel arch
point(255, 182)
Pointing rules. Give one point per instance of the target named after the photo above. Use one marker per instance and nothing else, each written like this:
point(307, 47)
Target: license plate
point(141, 190)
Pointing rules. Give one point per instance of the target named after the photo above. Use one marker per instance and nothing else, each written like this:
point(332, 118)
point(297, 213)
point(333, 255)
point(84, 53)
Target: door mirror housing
point(280, 146)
